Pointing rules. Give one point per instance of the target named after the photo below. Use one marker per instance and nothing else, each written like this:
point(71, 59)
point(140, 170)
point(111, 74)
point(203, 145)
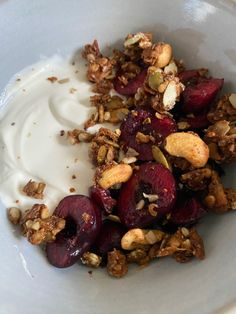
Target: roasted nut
point(171, 94)
point(137, 238)
point(171, 68)
point(34, 189)
point(14, 215)
point(232, 99)
point(91, 259)
point(164, 56)
point(189, 146)
point(158, 55)
point(116, 174)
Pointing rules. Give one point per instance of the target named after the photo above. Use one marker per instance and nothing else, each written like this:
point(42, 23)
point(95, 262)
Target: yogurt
point(34, 109)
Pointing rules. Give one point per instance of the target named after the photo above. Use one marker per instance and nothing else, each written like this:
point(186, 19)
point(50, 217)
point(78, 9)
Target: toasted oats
point(34, 189)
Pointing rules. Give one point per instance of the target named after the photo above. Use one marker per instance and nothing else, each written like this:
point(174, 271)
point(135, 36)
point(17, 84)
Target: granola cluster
point(104, 147)
point(221, 140)
point(162, 87)
point(34, 189)
point(38, 226)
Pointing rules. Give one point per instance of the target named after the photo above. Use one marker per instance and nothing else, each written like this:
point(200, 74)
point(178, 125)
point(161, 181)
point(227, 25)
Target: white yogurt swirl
point(34, 111)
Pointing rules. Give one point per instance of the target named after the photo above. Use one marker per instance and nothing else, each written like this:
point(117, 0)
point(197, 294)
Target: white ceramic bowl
point(202, 33)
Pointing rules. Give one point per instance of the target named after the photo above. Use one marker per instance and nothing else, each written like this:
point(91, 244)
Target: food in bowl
point(157, 172)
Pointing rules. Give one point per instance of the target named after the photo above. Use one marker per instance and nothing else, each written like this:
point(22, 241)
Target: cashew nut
point(114, 175)
point(189, 146)
point(137, 238)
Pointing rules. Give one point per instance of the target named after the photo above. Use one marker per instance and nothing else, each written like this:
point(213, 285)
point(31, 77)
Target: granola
point(221, 140)
point(117, 264)
point(157, 171)
point(38, 226)
point(34, 189)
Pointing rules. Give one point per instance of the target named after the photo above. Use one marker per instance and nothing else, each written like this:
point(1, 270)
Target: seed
point(155, 80)
point(151, 209)
point(140, 204)
point(101, 154)
point(160, 157)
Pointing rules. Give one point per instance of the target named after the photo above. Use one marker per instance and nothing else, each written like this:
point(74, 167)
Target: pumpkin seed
point(160, 157)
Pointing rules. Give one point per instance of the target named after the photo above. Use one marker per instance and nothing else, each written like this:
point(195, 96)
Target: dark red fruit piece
point(102, 198)
point(198, 121)
point(132, 86)
point(83, 223)
point(151, 178)
point(187, 211)
point(188, 75)
point(198, 97)
point(157, 128)
point(109, 237)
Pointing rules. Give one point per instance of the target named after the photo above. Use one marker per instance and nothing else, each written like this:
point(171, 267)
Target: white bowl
point(202, 33)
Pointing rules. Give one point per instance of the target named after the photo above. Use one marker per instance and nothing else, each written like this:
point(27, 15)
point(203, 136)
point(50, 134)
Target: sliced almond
point(170, 96)
point(232, 99)
point(171, 68)
point(114, 175)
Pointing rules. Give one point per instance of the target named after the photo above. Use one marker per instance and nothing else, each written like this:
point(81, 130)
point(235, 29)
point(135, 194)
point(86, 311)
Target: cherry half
point(146, 122)
point(83, 223)
point(150, 178)
point(132, 86)
point(109, 237)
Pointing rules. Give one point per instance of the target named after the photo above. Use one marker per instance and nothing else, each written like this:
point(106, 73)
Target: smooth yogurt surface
point(33, 112)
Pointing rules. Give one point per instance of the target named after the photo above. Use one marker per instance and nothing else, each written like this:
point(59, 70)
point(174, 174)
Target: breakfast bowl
point(201, 34)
